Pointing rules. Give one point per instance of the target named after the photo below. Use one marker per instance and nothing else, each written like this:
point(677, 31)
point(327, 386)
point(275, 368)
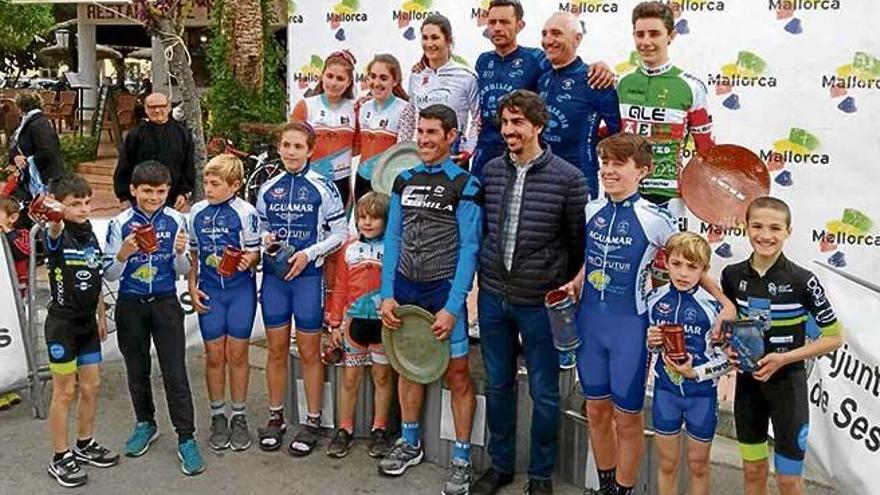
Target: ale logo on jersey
point(853, 228)
point(801, 147)
point(409, 12)
point(682, 7)
point(309, 73)
point(748, 71)
point(346, 11)
point(863, 73)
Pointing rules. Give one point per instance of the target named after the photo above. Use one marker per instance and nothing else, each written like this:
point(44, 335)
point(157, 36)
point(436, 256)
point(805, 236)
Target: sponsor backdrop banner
point(797, 82)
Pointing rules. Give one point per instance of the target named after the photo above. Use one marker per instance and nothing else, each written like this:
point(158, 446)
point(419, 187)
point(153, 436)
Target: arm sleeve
point(46, 148)
point(717, 366)
point(469, 215)
point(261, 212)
point(574, 222)
point(609, 110)
point(407, 130)
point(113, 268)
point(19, 242)
point(699, 121)
point(333, 220)
point(817, 303)
point(122, 174)
point(191, 224)
point(336, 304)
point(250, 231)
point(392, 242)
point(473, 131)
point(300, 112)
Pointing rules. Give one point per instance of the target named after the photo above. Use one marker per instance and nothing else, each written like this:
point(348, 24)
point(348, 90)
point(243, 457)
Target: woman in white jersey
point(379, 117)
point(444, 81)
point(329, 109)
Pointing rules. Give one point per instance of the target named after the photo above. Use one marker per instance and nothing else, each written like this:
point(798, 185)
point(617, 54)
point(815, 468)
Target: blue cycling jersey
point(497, 76)
point(621, 240)
point(144, 274)
point(212, 227)
point(576, 111)
point(696, 311)
point(304, 210)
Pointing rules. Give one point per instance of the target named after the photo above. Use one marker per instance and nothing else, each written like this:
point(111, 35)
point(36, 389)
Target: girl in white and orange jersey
point(329, 109)
point(379, 117)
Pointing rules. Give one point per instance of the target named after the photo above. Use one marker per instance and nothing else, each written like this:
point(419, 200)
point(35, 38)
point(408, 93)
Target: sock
point(347, 425)
point(59, 455)
point(81, 444)
point(607, 483)
point(314, 419)
point(238, 408)
point(462, 451)
point(624, 490)
point(380, 423)
point(276, 414)
point(218, 407)
point(410, 431)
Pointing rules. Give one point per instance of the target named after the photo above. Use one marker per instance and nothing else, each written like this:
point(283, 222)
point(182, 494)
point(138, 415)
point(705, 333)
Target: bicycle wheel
point(257, 178)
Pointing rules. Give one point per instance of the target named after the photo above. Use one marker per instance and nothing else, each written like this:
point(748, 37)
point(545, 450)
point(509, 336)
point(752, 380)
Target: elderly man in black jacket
point(34, 142)
point(533, 243)
point(165, 140)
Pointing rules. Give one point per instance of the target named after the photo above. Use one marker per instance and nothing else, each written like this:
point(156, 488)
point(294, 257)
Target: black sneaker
point(240, 438)
point(538, 487)
point(379, 444)
point(341, 444)
point(96, 455)
point(219, 436)
point(490, 482)
point(67, 472)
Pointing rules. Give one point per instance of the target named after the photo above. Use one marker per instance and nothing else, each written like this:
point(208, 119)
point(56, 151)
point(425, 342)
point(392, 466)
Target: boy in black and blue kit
point(147, 308)
point(73, 333)
point(770, 286)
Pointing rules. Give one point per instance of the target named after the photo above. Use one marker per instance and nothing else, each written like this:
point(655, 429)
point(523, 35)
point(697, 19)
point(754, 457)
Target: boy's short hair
point(655, 10)
point(9, 206)
point(623, 145)
point(770, 203)
point(517, 7)
point(691, 247)
point(151, 173)
point(373, 204)
point(227, 167)
point(443, 113)
point(69, 185)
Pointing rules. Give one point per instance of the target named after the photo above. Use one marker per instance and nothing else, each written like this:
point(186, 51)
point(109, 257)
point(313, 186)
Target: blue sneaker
point(567, 360)
point(191, 462)
point(143, 435)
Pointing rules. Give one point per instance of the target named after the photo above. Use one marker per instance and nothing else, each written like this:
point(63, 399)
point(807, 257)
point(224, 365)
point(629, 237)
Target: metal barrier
point(38, 372)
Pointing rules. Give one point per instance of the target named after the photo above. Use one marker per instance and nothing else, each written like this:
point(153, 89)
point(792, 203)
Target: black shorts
point(363, 343)
point(366, 332)
point(783, 400)
point(72, 342)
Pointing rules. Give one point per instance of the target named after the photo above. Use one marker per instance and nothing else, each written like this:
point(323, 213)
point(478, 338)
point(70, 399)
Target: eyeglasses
point(345, 55)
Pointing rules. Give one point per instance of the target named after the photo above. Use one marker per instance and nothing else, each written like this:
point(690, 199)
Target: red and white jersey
point(378, 128)
point(335, 127)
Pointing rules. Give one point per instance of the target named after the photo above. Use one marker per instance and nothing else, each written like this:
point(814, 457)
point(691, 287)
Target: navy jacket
point(550, 242)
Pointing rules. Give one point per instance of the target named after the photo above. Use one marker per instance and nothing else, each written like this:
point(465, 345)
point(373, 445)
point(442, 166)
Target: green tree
point(23, 31)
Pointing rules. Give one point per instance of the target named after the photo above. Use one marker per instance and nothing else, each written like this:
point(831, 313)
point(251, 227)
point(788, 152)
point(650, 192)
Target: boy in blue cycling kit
point(226, 303)
point(685, 392)
point(507, 68)
point(623, 232)
point(147, 309)
point(787, 296)
point(302, 212)
point(435, 204)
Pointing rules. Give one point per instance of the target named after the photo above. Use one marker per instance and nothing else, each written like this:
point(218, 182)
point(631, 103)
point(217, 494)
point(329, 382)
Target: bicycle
point(258, 167)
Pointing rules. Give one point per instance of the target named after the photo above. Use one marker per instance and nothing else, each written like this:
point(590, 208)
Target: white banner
point(796, 81)
point(13, 361)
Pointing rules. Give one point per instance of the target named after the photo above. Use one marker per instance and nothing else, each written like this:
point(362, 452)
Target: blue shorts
point(232, 311)
point(698, 414)
point(612, 360)
point(432, 296)
point(302, 298)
